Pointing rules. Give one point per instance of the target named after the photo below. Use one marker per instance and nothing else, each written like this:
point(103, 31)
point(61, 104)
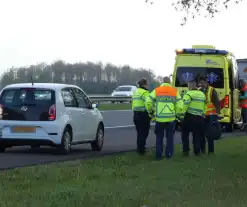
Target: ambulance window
point(235, 68)
point(184, 75)
point(230, 74)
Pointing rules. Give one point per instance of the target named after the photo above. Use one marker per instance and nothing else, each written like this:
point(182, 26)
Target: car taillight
point(226, 101)
point(52, 113)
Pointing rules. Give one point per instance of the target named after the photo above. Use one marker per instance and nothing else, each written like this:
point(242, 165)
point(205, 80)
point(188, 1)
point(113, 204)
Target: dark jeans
point(195, 124)
point(142, 124)
point(160, 128)
point(210, 120)
point(244, 115)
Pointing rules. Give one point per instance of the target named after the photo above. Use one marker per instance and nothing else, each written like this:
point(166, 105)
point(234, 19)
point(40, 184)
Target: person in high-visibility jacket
point(141, 117)
point(212, 112)
point(164, 103)
point(243, 103)
point(193, 118)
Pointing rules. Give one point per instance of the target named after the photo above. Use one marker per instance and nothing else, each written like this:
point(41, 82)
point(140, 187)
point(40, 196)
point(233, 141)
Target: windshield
point(215, 76)
point(27, 96)
point(123, 88)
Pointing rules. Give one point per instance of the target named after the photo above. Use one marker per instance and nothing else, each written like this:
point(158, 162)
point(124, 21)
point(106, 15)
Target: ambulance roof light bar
point(201, 51)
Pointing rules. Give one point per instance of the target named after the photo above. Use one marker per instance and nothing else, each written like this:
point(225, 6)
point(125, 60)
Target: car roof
point(127, 86)
point(53, 86)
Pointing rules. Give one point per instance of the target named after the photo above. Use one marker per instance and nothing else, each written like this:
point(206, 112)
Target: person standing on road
point(141, 117)
point(212, 115)
point(193, 120)
point(167, 102)
point(243, 103)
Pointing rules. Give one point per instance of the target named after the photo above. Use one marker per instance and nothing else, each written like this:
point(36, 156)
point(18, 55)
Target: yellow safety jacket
point(194, 103)
point(210, 109)
point(138, 99)
point(166, 102)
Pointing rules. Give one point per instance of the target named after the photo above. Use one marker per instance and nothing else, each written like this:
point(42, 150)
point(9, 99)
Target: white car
point(124, 91)
point(48, 114)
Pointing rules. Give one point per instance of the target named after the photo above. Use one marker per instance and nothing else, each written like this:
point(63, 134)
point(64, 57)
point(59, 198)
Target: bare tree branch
point(194, 8)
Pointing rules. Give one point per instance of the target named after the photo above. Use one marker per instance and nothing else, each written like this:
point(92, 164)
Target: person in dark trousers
point(243, 103)
point(212, 114)
point(164, 102)
point(141, 117)
point(194, 113)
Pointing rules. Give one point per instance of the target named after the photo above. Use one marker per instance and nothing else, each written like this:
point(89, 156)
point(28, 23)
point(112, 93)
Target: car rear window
point(27, 96)
point(215, 76)
point(123, 88)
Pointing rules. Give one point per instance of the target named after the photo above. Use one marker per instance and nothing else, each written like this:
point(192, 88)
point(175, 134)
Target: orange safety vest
point(210, 108)
point(243, 103)
point(165, 103)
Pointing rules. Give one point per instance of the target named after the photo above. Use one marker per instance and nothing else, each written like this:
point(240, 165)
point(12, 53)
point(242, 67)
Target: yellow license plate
point(23, 129)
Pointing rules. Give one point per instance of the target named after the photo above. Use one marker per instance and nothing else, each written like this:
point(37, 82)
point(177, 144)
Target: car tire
point(2, 149)
point(65, 146)
point(97, 144)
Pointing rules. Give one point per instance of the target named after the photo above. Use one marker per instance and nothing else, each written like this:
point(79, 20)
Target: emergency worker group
point(197, 112)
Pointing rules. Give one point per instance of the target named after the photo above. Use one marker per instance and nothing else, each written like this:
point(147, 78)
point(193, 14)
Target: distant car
point(124, 91)
point(48, 114)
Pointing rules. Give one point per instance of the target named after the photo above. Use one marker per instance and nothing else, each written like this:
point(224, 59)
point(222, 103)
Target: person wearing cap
point(212, 114)
point(164, 103)
point(243, 103)
point(193, 118)
point(141, 117)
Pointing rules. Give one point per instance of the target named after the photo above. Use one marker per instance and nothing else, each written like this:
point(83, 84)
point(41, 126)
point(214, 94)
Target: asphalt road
point(115, 140)
point(119, 136)
point(118, 118)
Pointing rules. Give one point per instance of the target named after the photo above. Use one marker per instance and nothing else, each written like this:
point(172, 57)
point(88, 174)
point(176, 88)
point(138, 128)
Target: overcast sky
point(117, 31)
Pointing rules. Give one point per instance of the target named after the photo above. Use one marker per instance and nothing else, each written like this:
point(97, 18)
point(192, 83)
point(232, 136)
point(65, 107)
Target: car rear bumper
point(45, 133)
point(9, 142)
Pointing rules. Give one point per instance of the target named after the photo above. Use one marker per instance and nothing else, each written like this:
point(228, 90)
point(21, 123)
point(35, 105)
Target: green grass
point(133, 181)
point(114, 106)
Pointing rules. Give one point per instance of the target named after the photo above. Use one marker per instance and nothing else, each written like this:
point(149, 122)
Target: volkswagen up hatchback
point(48, 114)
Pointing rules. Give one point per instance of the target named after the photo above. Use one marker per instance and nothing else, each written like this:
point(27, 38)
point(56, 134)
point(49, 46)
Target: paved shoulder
point(116, 140)
point(117, 118)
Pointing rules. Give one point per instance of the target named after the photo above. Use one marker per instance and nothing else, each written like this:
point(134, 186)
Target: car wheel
point(65, 146)
point(97, 144)
point(2, 149)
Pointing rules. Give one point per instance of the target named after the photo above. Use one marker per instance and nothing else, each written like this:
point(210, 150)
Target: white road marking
point(115, 110)
point(124, 126)
point(117, 127)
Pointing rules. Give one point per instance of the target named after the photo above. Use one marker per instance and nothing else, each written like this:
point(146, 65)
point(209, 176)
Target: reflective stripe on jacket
point(138, 99)
point(210, 109)
point(166, 102)
point(195, 103)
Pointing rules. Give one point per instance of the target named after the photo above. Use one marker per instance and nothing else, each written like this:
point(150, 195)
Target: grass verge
point(114, 106)
point(133, 181)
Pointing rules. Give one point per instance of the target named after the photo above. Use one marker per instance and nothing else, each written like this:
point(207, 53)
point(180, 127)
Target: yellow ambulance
point(220, 69)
